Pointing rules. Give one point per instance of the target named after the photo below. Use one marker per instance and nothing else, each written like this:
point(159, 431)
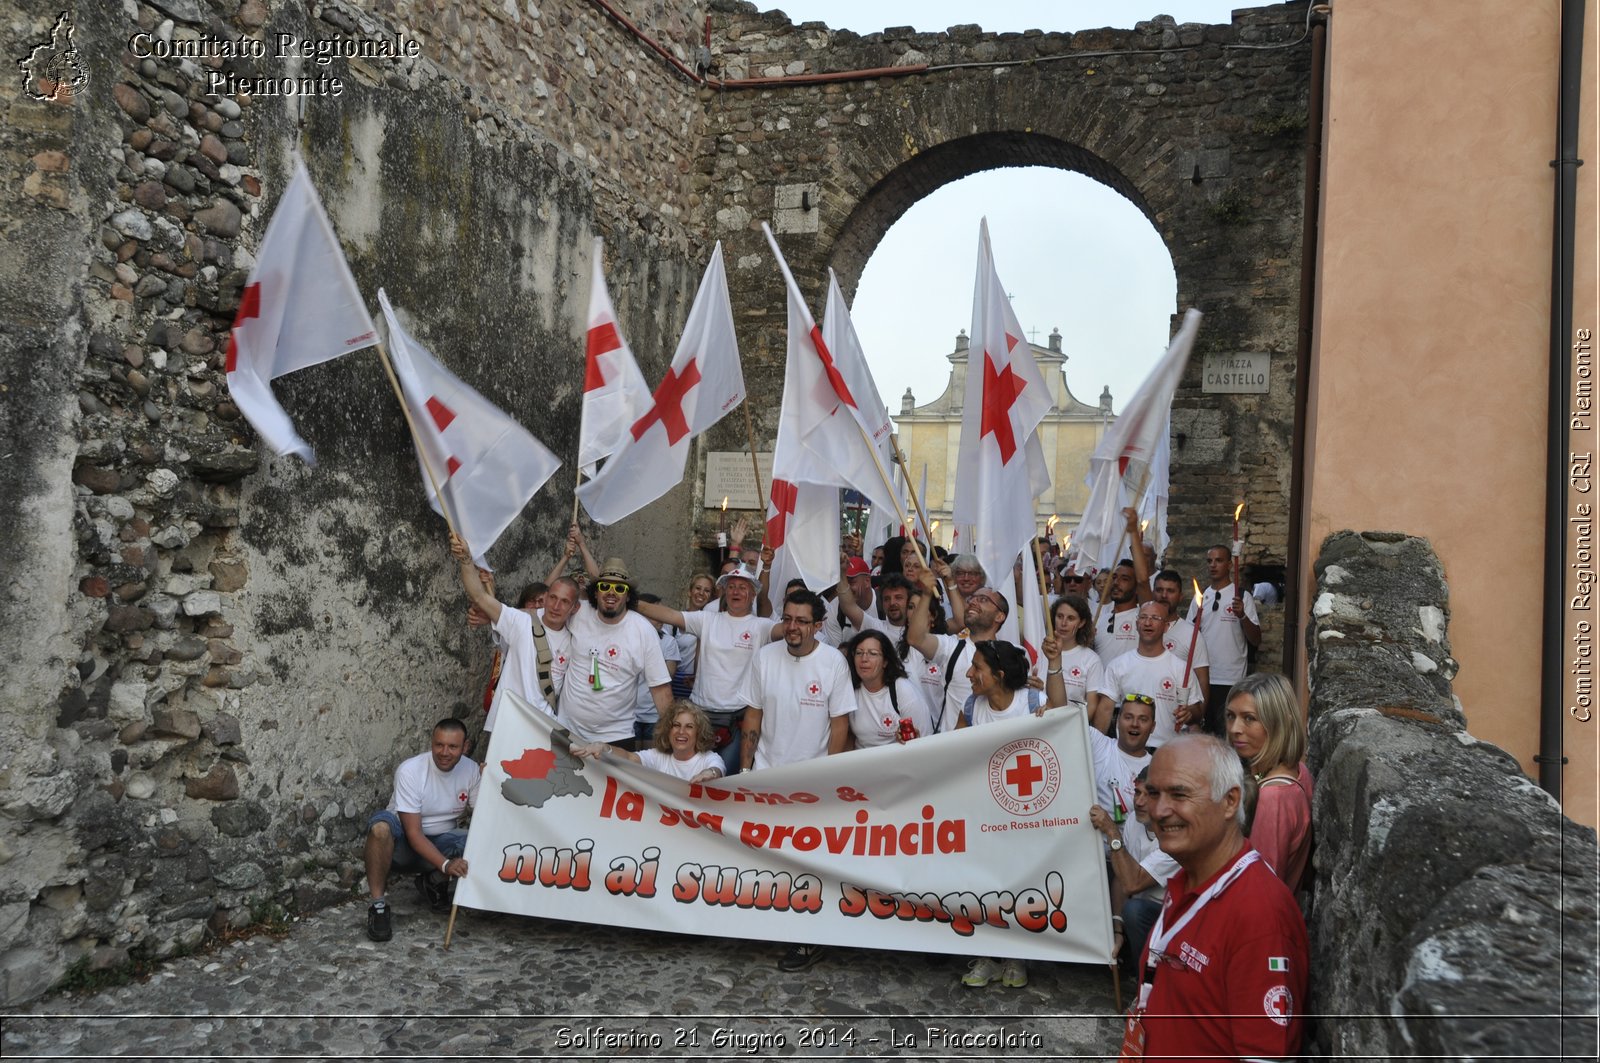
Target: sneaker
point(982, 972)
point(800, 957)
point(380, 927)
point(1013, 974)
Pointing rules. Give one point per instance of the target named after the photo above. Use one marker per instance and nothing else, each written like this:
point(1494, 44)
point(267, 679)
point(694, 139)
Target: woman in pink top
point(1264, 724)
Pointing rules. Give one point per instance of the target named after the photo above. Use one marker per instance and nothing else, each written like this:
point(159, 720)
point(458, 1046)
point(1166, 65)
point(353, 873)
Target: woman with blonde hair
point(1264, 726)
point(682, 749)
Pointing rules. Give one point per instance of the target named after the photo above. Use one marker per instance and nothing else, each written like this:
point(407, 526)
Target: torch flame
point(934, 526)
point(1197, 596)
point(1238, 510)
point(724, 503)
point(1051, 523)
point(1143, 524)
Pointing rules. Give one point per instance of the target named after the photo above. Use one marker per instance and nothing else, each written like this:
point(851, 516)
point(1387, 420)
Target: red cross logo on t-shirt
point(611, 651)
point(1126, 627)
point(1166, 684)
point(561, 658)
point(1076, 672)
point(933, 669)
point(462, 797)
point(744, 636)
point(814, 689)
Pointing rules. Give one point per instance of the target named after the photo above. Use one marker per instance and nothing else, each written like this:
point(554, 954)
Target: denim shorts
point(450, 843)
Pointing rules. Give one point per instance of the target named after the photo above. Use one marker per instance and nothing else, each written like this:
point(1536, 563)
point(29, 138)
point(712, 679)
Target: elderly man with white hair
point(1223, 974)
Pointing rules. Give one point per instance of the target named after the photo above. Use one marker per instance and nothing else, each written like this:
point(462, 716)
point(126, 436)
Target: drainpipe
point(1302, 363)
point(1550, 757)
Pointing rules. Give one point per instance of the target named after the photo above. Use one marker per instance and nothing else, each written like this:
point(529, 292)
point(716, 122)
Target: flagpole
point(577, 482)
point(755, 465)
point(1044, 593)
point(416, 440)
point(877, 460)
point(916, 503)
point(1144, 481)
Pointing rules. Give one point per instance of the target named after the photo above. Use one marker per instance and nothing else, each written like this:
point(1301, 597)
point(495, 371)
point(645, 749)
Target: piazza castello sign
point(1244, 373)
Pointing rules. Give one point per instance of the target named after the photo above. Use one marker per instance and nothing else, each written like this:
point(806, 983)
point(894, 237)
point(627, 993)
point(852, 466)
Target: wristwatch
point(1116, 845)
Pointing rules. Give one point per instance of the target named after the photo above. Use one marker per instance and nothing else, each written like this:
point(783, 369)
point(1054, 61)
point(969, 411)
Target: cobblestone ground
point(517, 987)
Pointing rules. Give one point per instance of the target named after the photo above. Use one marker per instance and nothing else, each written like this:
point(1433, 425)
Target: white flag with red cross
point(829, 430)
point(484, 464)
point(614, 392)
point(1129, 450)
point(703, 384)
point(1000, 469)
point(300, 306)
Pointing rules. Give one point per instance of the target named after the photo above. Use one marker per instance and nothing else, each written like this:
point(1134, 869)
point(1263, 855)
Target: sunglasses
point(605, 586)
point(1145, 698)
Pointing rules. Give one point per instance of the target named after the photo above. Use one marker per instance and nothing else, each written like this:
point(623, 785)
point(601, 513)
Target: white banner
point(974, 842)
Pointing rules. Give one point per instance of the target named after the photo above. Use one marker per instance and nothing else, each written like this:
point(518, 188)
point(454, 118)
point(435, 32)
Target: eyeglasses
point(1143, 698)
point(605, 586)
point(801, 621)
point(869, 653)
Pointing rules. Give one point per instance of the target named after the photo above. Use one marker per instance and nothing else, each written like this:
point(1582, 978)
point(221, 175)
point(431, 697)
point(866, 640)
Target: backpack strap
point(541, 650)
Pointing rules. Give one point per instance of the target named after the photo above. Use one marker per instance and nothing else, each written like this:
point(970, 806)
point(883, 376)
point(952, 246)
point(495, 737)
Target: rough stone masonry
point(215, 657)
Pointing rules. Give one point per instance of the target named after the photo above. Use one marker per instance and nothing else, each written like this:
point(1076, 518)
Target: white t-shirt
point(1224, 638)
point(1159, 677)
point(835, 633)
point(1146, 849)
point(1024, 702)
point(519, 662)
point(928, 676)
point(560, 651)
point(876, 721)
point(1180, 633)
point(1114, 772)
point(1081, 670)
point(877, 623)
point(1122, 636)
point(798, 698)
point(438, 797)
point(667, 764)
point(618, 654)
point(728, 646)
point(644, 706)
point(946, 700)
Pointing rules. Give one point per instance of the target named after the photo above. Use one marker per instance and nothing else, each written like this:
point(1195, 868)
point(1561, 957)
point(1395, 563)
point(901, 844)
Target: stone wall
point(218, 656)
point(1455, 906)
point(1201, 127)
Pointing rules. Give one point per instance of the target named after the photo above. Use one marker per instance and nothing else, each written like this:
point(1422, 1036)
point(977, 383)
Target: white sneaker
point(982, 972)
point(1013, 974)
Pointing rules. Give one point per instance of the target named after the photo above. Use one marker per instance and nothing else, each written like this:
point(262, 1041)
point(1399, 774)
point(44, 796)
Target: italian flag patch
point(1277, 963)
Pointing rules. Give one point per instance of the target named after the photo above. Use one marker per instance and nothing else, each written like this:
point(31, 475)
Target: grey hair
point(969, 563)
point(1226, 770)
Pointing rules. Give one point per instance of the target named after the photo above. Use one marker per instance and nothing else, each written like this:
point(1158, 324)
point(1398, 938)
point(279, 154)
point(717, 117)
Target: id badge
point(1132, 1049)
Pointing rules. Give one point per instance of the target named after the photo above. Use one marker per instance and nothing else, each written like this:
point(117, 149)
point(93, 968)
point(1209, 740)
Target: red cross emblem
point(668, 407)
point(603, 339)
point(835, 379)
point(933, 669)
point(561, 658)
point(1166, 684)
point(814, 688)
point(442, 417)
point(1000, 391)
point(744, 636)
point(1023, 776)
point(783, 502)
point(462, 797)
point(249, 307)
point(1126, 627)
point(1076, 672)
point(611, 651)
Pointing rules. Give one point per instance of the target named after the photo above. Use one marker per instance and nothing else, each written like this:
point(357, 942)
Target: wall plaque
point(728, 473)
point(1234, 374)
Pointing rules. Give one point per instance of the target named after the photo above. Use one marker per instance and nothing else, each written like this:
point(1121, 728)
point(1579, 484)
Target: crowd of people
point(1200, 780)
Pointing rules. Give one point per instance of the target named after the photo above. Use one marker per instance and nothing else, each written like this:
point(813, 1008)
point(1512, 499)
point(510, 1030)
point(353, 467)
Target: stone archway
point(1199, 126)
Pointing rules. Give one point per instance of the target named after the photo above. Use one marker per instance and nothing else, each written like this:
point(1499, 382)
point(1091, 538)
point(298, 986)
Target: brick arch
point(1201, 127)
point(927, 171)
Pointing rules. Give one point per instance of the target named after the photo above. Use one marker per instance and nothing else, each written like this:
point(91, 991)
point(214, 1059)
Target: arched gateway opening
point(1199, 126)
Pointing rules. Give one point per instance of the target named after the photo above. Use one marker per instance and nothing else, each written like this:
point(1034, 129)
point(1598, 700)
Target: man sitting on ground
point(417, 832)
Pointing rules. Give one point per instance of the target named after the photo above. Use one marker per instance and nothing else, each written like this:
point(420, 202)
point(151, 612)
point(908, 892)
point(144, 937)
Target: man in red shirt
point(1224, 970)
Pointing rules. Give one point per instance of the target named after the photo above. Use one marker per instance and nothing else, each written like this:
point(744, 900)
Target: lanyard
point(1160, 936)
